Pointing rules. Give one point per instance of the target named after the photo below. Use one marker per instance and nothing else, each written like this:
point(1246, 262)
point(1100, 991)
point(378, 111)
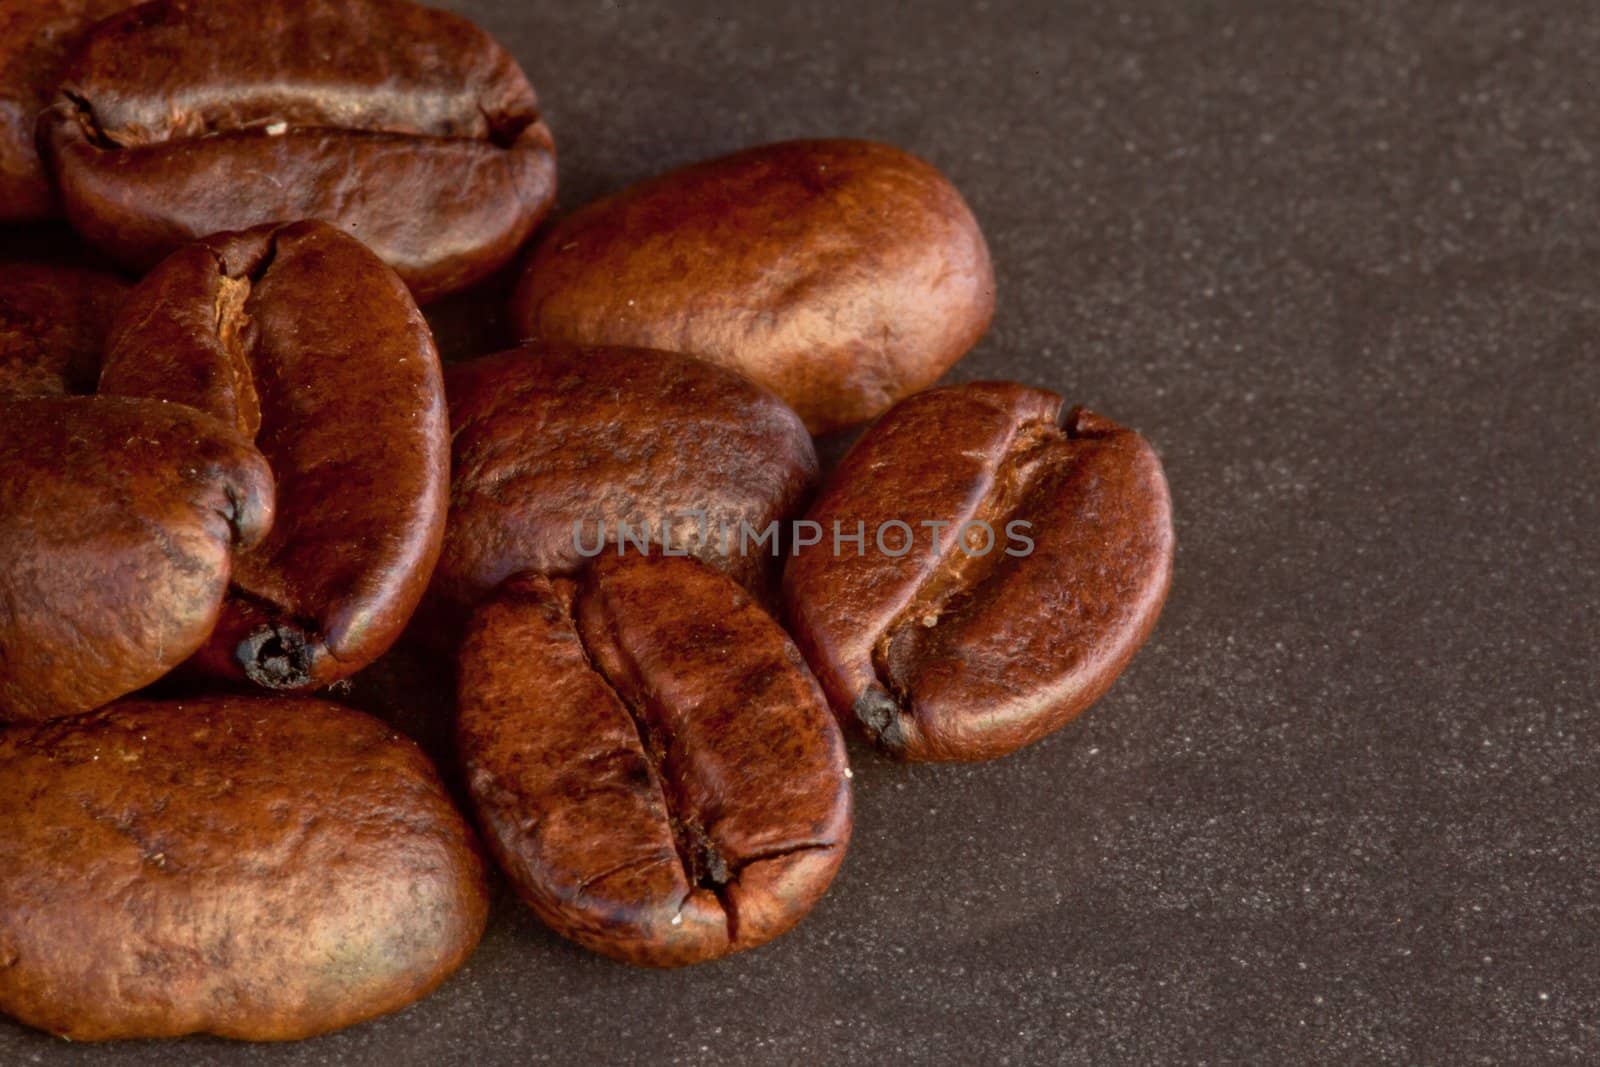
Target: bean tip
point(880, 717)
point(276, 656)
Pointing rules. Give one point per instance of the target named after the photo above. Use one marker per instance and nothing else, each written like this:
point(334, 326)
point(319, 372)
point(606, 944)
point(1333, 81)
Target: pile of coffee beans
point(234, 474)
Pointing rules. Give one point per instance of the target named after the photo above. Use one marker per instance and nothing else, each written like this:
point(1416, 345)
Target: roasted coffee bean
point(117, 523)
point(409, 127)
point(556, 446)
point(53, 324)
point(307, 343)
point(997, 633)
point(36, 37)
point(843, 275)
point(652, 763)
point(261, 868)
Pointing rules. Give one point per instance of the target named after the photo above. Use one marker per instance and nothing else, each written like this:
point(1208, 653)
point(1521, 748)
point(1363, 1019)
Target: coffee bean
point(653, 765)
point(949, 652)
point(309, 345)
point(557, 447)
point(36, 38)
point(408, 127)
point(843, 275)
point(53, 325)
point(118, 519)
point(259, 868)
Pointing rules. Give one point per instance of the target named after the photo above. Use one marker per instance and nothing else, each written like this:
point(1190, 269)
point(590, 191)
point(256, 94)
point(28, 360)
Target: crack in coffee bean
point(970, 650)
point(703, 865)
point(406, 126)
point(349, 409)
point(652, 763)
point(962, 571)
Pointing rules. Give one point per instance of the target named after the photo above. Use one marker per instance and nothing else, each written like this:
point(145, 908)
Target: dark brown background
point(1338, 259)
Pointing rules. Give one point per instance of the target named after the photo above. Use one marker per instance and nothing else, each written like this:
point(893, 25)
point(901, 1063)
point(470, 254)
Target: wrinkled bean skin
point(118, 520)
point(53, 325)
point(264, 868)
point(410, 128)
point(549, 436)
point(36, 38)
point(968, 657)
point(842, 275)
point(303, 340)
point(651, 762)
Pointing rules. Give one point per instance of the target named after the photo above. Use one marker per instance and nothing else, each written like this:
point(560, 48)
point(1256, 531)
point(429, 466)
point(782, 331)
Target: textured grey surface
point(1338, 260)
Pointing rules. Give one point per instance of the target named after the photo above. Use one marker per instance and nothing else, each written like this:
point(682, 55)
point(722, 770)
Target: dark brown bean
point(960, 653)
point(408, 127)
point(842, 275)
point(259, 868)
point(53, 325)
point(117, 523)
point(652, 763)
point(307, 343)
point(546, 438)
point(36, 37)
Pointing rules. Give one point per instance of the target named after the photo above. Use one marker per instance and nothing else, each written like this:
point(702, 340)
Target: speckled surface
point(1338, 260)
